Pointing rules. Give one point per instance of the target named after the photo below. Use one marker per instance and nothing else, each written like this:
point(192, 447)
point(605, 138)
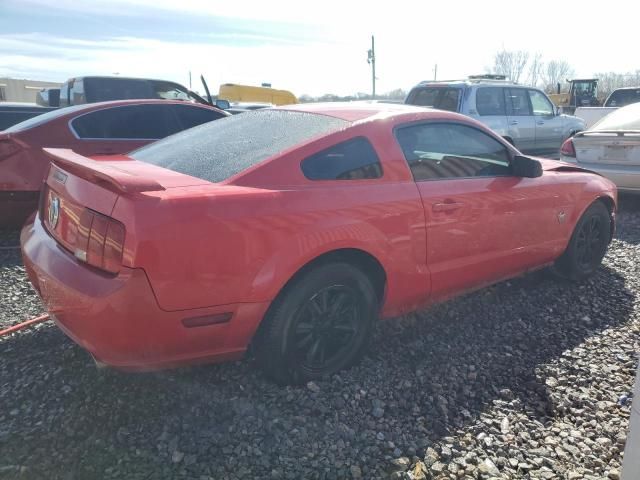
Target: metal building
point(21, 90)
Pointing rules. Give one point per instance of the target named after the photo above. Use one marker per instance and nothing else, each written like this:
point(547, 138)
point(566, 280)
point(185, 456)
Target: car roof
point(626, 88)
point(469, 83)
point(353, 112)
point(113, 77)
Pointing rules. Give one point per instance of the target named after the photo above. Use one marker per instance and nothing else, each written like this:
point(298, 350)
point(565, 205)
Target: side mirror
point(223, 104)
point(526, 167)
point(557, 110)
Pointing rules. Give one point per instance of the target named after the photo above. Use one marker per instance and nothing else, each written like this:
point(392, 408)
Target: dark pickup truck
point(81, 90)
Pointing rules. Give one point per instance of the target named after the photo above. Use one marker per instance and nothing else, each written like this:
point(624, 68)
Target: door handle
point(540, 122)
point(513, 122)
point(446, 206)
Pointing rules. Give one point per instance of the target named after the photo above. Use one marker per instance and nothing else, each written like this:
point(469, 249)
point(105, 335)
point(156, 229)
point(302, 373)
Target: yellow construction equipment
point(583, 92)
point(247, 93)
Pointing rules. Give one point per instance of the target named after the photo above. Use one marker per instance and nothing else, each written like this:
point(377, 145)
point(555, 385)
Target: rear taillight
point(100, 241)
point(567, 149)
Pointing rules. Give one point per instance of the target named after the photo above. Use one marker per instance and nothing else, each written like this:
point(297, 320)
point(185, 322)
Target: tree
point(510, 63)
point(535, 70)
point(556, 71)
point(609, 81)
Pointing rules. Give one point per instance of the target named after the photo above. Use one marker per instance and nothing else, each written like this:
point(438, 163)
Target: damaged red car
point(293, 229)
point(104, 128)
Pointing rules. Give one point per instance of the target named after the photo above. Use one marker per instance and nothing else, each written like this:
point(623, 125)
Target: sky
point(305, 46)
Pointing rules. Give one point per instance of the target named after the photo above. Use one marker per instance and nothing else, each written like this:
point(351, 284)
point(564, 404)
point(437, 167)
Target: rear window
point(43, 118)
point(218, 150)
point(442, 98)
point(620, 98)
point(105, 89)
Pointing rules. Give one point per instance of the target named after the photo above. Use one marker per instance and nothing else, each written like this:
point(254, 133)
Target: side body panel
point(241, 243)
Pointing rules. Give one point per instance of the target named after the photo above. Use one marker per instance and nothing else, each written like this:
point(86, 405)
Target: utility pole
point(435, 72)
point(371, 59)
point(189, 79)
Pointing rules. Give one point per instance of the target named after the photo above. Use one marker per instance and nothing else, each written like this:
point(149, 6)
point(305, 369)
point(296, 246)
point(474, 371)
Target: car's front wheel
point(320, 324)
point(588, 244)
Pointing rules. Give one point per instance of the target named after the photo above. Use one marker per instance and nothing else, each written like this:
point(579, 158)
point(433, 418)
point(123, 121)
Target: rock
point(399, 464)
point(430, 457)
point(377, 412)
point(314, 387)
point(487, 467)
point(438, 467)
point(356, 471)
point(177, 456)
point(614, 474)
point(419, 471)
point(504, 425)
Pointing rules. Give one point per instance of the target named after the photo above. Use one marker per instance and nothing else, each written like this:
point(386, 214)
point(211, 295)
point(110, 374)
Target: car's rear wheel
point(319, 325)
point(588, 244)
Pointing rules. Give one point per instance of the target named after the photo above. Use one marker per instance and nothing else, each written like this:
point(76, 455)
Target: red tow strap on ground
point(20, 326)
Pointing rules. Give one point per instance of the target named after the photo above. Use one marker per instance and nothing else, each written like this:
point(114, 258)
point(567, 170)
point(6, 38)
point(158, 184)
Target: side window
point(77, 92)
point(439, 151)
point(517, 102)
point(64, 95)
point(189, 116)
point(540, 103)
point(139, 122)
point(490, 101)
point(354, 159)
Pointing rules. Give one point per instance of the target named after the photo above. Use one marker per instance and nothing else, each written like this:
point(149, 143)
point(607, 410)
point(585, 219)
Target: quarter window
point(518, 102)
point(140, 122)
point(490, 101)
point(354, 159)
point(439, 151)
point(540, 103)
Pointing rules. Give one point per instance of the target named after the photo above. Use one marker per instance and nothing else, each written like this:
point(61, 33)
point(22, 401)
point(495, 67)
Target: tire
point(320, 324)
point(588, 244)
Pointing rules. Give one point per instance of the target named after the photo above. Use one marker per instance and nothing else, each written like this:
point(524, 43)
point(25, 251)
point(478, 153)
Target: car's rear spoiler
point(101, 173)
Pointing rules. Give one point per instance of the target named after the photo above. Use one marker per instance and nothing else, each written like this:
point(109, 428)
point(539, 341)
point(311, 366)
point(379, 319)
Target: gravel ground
point(531, 378)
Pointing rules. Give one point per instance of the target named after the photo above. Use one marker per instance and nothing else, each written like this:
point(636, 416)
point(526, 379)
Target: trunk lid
point(80, 193)
point(608, 148)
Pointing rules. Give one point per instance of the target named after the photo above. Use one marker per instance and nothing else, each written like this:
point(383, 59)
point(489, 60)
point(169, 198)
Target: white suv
point(522, 115)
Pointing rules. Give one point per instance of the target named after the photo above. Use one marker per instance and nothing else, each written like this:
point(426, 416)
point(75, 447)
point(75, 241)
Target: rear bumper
point(118, 320)
point(626, 178)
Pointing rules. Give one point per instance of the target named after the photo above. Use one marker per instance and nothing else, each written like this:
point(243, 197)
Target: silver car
point(611, 147)
point(522, 115)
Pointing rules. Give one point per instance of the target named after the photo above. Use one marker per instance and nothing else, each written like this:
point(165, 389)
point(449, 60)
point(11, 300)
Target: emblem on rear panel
point(54, 212)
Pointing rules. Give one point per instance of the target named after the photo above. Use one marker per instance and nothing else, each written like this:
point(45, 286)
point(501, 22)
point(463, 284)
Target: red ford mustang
point(293, 229)
point(104, 128)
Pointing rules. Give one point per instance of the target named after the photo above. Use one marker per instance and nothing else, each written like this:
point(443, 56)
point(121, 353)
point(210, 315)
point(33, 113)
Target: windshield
point(621, 98)
point(218, 150)
point(443, 98)
point(43, 118)
point(169, 91)
point(627, 118)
